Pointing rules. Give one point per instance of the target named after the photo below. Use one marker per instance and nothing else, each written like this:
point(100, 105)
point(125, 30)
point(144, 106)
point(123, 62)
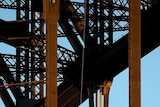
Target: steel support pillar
point(104, 94)
point(106, 90)
point(51, 16)
point(100, 97)
point(134, 52)
point(90, 96)
point(96, 99)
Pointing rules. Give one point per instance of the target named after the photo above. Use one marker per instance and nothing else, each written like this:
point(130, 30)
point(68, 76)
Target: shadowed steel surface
point(48, 48)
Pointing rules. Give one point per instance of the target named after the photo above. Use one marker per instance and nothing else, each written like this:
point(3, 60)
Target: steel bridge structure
point(66, 50)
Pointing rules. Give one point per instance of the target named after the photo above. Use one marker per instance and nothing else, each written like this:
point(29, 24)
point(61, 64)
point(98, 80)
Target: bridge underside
point(109, 62)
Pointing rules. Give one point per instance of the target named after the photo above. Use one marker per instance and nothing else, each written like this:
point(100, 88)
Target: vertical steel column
point(90, 96)
point(18, 60)
point(110, 23)
point(96, 99)
point(101, 22)
point(26, 50)
point(18, 47)
point(106, 90)
point(51, 14)
point(26, 70)
point(106, 96)
point(100, 96)
point(41, 66)
point(134, 53)
point(33, 63)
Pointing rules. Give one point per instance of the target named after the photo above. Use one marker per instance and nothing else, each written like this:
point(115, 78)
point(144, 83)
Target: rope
point(83, 52)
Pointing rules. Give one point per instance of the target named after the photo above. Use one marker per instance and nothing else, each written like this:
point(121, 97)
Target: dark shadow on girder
point(13, 32)
point(114, 59)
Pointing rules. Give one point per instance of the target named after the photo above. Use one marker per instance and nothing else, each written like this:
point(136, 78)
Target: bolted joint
point(53, 1)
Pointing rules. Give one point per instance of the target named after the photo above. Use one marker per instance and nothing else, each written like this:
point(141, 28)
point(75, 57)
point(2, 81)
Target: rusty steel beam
point(134, 53)
point(51, 16)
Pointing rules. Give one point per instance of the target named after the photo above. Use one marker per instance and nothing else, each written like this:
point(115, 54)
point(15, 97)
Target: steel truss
point(105, 19)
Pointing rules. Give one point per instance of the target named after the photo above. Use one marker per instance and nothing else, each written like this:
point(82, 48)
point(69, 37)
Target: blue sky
point(150, 78)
